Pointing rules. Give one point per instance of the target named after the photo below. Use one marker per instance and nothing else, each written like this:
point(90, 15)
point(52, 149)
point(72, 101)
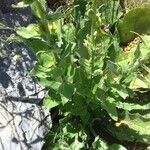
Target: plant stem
point(45, 24)
point(94, 7)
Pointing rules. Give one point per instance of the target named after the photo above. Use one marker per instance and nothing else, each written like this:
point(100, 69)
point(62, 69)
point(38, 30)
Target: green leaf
point(43, 3)
point(81, 77)
point(112, 68)
point(99, 144)
point(109, 105)
point(43, 72)
point(78, 107)
point(86, 64)
point(67, 90)
point(70, 73)
point(51, 84)
point(69, 32)
point(20, 5)
point(111, 12)
point(76, 145)
point(38, 8)
point(140, 82)
point(54, 16)
point(50, 102)
point(121, 90)
point(64, 100)
point(114, 50)
point(142, 18)
point(135, 127)
point(46, 59)
point(56, 73)
point(132, 106)
point(40, 72)
point(117, 147)
point(137, 53)
point(31, 31)
point(129, 79)
point(38, 45)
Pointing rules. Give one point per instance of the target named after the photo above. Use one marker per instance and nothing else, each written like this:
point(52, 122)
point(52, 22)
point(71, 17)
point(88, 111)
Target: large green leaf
point(110, 107)
point(67, 90)
point(132, 127)
point(81, 77)
point(144, 48)
point(38, 45)
point(31, 31)
point(38, 8)
point(137, 20)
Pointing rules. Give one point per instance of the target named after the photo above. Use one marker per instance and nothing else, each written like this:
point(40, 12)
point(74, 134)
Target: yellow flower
point(53, 26)
point(121, 123)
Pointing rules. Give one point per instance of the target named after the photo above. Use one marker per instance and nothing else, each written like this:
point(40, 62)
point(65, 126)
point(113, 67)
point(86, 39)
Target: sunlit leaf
point(51, 84)
point(49, 102)
point(136, 128)
point(20, 5)
point(121, 90)
point(46, 59)
point(31, 31)
point(99, 144)
point(38, 8)
point(132, 106)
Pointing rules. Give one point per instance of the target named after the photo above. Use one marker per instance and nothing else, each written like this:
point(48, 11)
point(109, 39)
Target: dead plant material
point(131, 45)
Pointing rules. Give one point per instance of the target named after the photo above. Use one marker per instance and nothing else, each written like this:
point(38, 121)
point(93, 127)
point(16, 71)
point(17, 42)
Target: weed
point(88, 74)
